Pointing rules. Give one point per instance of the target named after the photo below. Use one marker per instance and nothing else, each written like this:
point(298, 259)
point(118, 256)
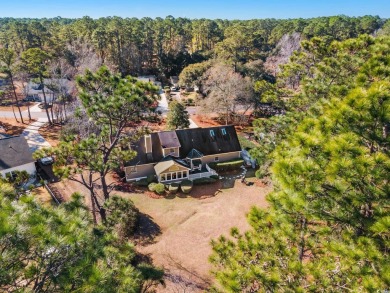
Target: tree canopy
point(327, 227)
point(57, 249)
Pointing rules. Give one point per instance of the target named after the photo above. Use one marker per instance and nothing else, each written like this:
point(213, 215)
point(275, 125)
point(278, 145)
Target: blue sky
point(226, 9)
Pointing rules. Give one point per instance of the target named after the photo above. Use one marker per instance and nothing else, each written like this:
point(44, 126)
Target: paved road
point(35, 111)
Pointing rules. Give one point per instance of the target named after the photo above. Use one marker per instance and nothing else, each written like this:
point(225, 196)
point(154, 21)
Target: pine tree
point(57, 249)
point(178, 116)
point(327, 228)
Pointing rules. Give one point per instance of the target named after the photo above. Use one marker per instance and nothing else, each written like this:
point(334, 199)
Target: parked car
point(174, 88)
point(32, 99)
point(46, 161)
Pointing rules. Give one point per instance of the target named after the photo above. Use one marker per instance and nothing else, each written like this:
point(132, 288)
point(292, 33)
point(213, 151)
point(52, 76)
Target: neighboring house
point(150, 78)
point(15, 155)
point(52, 87)
point(182, 154)
point(175, 81)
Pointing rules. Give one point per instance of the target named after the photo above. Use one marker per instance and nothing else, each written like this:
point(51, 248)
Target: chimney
point(148, 146)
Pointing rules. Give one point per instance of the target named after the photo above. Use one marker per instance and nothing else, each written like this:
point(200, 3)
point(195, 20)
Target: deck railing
point(210, 172)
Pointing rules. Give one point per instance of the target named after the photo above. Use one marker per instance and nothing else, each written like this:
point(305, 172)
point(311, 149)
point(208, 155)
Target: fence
point(210, 172)
point(56, 200)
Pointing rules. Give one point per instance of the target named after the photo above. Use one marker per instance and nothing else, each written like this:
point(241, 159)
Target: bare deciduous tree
point(227, 92)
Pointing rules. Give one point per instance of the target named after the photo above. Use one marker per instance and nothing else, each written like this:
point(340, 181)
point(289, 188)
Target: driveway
point(162, 105)
point(34, 139)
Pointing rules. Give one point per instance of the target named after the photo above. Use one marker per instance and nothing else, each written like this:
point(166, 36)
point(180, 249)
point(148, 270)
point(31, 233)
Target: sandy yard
point(23, 107)
point(175, 232)
point(51, 133)
point(43, 196)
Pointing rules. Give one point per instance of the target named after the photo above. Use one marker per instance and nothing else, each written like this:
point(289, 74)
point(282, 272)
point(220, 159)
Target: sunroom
point(171, 169)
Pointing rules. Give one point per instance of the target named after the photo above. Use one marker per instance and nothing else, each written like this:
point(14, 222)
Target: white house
point(52, 88)
point(15, 155)
point(150, 78)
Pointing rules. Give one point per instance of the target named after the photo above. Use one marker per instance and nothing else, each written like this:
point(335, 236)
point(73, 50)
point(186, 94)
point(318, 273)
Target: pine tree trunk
point(45, 100)
point(13, 110)
point(29, 113)
point(104, 187)
point(302, 239)
point(16, 97)
point(93, 209)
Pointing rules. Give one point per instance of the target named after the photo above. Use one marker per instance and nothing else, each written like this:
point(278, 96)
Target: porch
point(205, 172)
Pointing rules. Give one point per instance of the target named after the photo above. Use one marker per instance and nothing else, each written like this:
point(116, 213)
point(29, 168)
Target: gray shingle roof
point(168, 139)
point(14, 151)
point(207, 141)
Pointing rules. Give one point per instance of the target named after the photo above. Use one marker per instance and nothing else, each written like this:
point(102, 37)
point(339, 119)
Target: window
point(173, 176)
point(133, 169)
point(212, 133)
point(179, 175)
point(172, 151)
point(184, 174)
point(223, 131)
point(163, 177)
point(169, 176)
point(216, 159)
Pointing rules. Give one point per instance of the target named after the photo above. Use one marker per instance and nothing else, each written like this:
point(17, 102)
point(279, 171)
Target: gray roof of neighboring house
point(14, 152)
point(206, 141)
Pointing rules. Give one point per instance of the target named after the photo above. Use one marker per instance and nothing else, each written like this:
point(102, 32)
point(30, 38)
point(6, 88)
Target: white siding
point(30, 168)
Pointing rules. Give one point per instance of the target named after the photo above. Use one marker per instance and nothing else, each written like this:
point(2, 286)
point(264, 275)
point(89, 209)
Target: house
point(52, 88)
point(182, 154)
point(15, 155)
point(150, 78)
point(175, 81)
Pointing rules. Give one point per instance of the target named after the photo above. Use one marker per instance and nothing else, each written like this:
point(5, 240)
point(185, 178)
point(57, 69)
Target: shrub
point(142, 182)
point(186, 186)
point(246, 143)
point(227, 166)
point(152, 187)
point(201, 181)
point(159, 188)
point(173, 188)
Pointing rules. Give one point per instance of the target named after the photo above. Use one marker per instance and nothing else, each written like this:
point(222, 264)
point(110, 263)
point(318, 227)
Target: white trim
point(29, 167)
point(135, 179)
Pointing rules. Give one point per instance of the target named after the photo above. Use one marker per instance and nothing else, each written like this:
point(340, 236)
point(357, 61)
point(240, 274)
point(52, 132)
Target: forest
point(323, 141)
point(165, 46)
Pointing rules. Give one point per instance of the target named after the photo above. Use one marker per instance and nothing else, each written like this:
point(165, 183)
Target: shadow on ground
point(147, 230)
